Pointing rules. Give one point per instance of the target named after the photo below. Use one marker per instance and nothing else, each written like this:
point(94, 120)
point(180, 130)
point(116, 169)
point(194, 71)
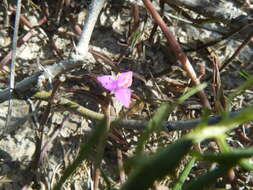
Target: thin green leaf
point(221, 140)
point(245, 163)
point(246, 85)
point(184, 174)
point(214, 131)
point(191, 92)
point(228, 158)
point(244, 74)
point(154, 124)
point(207, 179)
point(224, 147)
point(159, 165)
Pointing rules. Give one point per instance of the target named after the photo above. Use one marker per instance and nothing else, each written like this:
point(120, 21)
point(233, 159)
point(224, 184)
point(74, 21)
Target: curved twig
point(130, 124)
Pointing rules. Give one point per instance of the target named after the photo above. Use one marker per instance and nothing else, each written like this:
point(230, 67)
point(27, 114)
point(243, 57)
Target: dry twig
point(245, 42)
point(14, 52)
point(178, 51)
point(129, 124)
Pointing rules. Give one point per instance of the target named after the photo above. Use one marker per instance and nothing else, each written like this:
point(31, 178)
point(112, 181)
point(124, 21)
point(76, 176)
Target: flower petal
point(124, 80)
point(123, 96)
point(108, 82)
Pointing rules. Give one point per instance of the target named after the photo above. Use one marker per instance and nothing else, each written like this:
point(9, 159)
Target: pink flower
point(119, 86)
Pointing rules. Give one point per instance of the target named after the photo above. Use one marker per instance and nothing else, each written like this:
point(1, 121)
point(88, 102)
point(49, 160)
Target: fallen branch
point(129, 124)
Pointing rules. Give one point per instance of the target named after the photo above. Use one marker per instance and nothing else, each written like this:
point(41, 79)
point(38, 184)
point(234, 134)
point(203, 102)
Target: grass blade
point(158, 166)
point(184, 174)
point(228, 158)
point(207, 179)
point(154, 124)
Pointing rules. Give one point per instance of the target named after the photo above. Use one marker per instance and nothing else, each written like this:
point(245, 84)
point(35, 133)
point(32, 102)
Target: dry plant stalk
point(178, 51)
point(13, 61)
